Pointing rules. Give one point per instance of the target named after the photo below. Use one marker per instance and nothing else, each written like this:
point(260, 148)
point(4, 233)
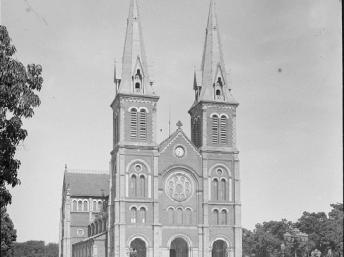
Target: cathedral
point(176, 198)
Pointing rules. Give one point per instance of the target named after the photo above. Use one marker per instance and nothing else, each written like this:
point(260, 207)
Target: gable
point(170, 155)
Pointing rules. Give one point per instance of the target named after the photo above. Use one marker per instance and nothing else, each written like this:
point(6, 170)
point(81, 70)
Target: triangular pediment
point(180, 138)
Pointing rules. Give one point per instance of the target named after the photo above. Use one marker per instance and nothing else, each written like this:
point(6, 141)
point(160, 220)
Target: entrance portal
point(138, 248)
point(219, 249)
point(179, 248)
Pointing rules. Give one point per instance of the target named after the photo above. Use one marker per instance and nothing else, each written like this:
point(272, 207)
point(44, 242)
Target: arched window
point(100, 226)
point(215, 189)
point(137, 86)
point(100, 206)
point(223, 129)
point(138, 82)
point(96, 227)
point(138, 73)
point(170, 214)
point(223, 189)
point(104, 224)
point(143, 124)
point(193, 131)
point(179, 216)
point(142, 186)
point(133, 185)
point(215, 129)
point(89, 231)
point(219, 81)
point(85, 205)
point(79, 205)
point(133, 215)
point(133, 123)
point(116, 128)
point(188, 216)
point(94, 206)
point(216, 217)
point(198, 132)
point(223, 218)
point(143, 215)
point(230, 188)
point(75, 205)
point(218, 93)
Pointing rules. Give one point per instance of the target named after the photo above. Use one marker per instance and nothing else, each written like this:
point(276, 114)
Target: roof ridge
point(87, 171)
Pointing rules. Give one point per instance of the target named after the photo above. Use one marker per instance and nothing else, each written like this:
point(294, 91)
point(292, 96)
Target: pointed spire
point(135, 77)
point(214, 84)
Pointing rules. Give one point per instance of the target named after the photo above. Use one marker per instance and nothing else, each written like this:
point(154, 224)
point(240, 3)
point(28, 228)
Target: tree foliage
point(325, 233)
point(8, 234)
point(18, 98)
point(35, 249)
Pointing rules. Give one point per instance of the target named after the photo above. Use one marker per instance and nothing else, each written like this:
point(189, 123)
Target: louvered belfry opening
point(215, 129)
point(138, 124)
point(219, 127)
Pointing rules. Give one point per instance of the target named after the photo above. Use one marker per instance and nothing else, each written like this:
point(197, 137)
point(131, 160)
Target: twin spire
point(135, 76)
point(214, 85)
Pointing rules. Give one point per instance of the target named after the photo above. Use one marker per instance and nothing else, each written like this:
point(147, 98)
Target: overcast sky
point(284, 64)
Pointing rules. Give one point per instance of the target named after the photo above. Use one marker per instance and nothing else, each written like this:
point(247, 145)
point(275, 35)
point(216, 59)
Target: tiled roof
point(87, 184)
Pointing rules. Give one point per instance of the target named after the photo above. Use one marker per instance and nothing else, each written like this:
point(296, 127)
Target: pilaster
point(67, 244)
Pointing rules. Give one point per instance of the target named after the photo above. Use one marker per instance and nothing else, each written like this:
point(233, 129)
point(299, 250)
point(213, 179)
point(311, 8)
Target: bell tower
point(134, 155)
point(134, 112)
point(214, 107)
point(213, 132)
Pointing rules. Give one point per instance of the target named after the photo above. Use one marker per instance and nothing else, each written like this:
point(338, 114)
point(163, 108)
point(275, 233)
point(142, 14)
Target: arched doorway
point(219, 249)
point(137, 248)
point(179, 248)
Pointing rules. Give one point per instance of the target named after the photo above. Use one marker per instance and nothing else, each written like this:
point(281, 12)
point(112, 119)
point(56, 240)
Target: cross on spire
point(179, 124)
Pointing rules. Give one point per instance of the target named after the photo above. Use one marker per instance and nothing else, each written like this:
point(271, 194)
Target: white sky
point(289, 122)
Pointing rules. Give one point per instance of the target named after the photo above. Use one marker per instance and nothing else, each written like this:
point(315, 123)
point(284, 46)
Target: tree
point(313, 225)
point(248, 242)
point(266, 239)
point(18, 98)
point(325, 232)
point(52, 250)
point(8, 234)
point(35, 249)
point(333, 230)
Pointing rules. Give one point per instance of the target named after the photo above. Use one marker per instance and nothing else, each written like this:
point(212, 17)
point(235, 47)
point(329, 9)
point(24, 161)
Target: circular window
point(179, 186)
point(80, 232)
point(138, 167)
point(179, 151)
point(219, 172)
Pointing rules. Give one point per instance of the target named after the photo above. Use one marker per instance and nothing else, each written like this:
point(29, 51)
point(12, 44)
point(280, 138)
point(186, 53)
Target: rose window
point(179, 186)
